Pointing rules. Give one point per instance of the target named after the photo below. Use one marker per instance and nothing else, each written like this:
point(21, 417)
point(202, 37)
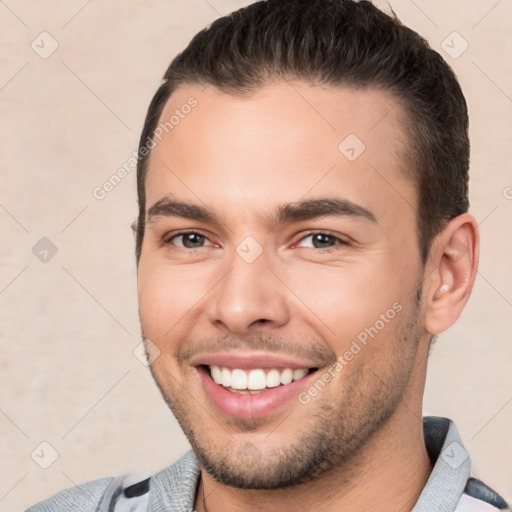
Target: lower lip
point(251, 406)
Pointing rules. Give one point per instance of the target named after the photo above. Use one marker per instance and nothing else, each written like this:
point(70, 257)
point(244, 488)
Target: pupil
point(193, 240)
point(321, 240)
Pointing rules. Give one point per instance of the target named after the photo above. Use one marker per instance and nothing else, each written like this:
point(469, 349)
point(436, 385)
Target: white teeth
point(226, 377)
point(257, 380)
point(298, 374)
point(238, 379)
point(216, 374)
point(245, 381)
point(273, 379)
point(286, 376)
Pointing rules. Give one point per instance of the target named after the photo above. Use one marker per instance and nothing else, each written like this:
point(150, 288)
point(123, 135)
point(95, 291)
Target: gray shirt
point(450, 487)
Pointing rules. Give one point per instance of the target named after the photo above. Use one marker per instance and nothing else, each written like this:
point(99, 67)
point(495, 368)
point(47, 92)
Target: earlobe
point(453, 264)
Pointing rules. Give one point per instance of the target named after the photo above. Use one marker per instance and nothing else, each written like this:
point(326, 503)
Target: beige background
point(68, 327)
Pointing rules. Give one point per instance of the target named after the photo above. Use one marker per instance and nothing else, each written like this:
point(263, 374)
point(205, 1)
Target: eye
point(321, 240)
point(188, 240)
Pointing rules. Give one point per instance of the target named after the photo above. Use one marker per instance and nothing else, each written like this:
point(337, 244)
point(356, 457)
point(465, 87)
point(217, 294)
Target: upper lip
point(250, 360)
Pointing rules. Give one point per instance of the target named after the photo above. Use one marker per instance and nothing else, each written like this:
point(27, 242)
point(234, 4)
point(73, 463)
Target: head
point(304, 211)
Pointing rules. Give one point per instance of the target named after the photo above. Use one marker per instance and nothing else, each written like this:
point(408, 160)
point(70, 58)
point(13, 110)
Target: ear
point(134, 228)
point(451, 272)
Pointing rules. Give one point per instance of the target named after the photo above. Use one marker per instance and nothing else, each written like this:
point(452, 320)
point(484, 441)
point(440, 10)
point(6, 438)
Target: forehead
point(286, 141)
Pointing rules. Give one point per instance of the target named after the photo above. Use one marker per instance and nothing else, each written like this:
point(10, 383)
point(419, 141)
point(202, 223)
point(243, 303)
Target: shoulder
point(81, 498)
point(174, 488)
point(171, 489)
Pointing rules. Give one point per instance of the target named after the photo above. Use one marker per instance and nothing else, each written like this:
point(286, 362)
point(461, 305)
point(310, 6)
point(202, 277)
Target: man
point(302, 236)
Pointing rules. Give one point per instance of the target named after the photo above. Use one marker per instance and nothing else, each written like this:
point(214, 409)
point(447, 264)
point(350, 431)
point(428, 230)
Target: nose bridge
point(249, 293)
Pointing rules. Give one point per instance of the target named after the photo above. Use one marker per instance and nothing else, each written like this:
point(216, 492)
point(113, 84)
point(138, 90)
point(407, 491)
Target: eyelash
point(340, 241)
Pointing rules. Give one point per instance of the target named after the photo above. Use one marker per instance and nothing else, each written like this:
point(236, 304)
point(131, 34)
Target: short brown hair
point(338, 43)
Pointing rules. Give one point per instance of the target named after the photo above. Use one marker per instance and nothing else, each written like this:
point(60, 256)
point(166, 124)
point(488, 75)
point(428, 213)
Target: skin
point(359, 442)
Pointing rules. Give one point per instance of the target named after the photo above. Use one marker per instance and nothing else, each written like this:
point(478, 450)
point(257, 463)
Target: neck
point(388, 475)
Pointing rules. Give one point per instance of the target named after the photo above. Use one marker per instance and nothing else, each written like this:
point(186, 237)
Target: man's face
point(278, 247)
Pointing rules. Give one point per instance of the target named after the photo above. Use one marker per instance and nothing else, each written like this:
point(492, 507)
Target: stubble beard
point(334, 432)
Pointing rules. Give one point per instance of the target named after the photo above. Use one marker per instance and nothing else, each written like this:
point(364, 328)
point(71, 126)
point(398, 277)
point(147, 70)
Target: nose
point(248, 298)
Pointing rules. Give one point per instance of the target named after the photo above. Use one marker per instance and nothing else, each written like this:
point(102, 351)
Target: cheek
point(358, 302)
point(166, 295)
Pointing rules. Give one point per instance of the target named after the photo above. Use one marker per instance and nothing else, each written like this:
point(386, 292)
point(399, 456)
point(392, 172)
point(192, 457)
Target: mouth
point(251, 387)
point(256, 380)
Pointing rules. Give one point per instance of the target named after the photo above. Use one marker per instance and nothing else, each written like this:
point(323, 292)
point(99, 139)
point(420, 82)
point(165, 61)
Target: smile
point(251, 386)
point(252, 381)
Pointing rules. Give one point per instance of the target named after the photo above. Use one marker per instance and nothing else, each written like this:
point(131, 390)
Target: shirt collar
point(451, 470)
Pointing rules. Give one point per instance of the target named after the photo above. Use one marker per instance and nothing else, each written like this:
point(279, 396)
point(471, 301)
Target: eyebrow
point(291, 212)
